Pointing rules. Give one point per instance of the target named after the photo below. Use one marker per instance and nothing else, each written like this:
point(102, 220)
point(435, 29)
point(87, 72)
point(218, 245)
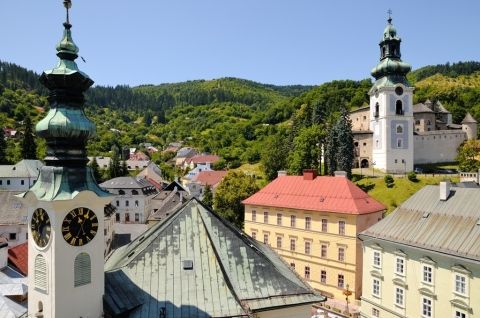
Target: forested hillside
point(237, 119)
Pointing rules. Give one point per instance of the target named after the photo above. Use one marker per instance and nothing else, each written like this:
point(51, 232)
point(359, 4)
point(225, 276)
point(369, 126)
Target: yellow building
point(423, 260)
point(313, 222)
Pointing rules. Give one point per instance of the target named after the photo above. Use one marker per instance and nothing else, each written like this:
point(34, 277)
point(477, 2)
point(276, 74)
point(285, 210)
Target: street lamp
point(347, 293)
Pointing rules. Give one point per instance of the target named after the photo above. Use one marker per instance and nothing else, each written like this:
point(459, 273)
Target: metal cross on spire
point(67, 4)
point(389, 15)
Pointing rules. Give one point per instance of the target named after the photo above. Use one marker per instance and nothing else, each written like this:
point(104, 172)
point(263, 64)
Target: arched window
point(121, 192)
point(134, 192)
point(136, 203)
point(40, 273)
point(399, 107)
point(82, 270)
point(399, 129)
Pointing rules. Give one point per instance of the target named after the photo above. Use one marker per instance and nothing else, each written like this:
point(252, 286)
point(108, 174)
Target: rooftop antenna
point(67, 4)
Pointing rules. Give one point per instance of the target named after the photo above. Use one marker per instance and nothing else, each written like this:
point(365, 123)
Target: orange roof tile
point(210, 177)
point(18, 256)
point(325, 193)
point(203, 159)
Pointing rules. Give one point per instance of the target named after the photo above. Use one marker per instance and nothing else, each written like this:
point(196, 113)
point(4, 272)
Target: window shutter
point(82, 270)
point(40, 273)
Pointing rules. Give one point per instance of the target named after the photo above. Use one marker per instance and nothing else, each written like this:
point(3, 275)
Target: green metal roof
point(231, 274)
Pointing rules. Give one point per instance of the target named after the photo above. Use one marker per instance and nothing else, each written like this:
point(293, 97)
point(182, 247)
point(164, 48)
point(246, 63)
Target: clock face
point(79, 226)
point(40, 227)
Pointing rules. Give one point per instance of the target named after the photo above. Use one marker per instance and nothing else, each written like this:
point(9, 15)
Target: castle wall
point(437, 146)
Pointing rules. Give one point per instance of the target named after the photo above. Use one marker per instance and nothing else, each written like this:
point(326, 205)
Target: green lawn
point(402, 190)
point(254, 170)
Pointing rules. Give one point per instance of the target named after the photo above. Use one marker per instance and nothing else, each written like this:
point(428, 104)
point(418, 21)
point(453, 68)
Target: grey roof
point(421, 108)
point(126, 183)
point(469, 119)
point(440, 108)
point(424, 221)
point(152, 171)
point(231, 275)
point(186, 152)
point(362, 108)
point(167, 202)
point(12, 284)
point(12, 210)
point(23, 169)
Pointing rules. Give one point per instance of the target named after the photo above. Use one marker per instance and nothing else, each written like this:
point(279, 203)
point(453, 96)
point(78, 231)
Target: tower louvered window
point(82, 270)
point(40, 273)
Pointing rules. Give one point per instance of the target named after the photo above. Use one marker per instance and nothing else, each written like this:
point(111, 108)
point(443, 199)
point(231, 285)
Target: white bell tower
point(66, 206)
point(391, 108)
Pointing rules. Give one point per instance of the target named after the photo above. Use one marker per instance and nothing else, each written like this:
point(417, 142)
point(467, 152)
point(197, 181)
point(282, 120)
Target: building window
point(40, 273)
point(117, 217)
point(136, 203)
point(265, 217)
point(324, 225)
point(399, 143)
point(121, 192)
point(341, 281)
point(376, 287)
point(400, 266)
point(8, 182)
point(417, 122)
point(134, 192)
point(341, 227)
point(461, 284)
point(427, 274)
point(292, 265)
point(377, 262)
point(265, 238)
point(127, 217)
point(127, 203)
point(426, 307)
point(82, 270)
point(1, 182)
point(341, 254)
point(308, 223)
point(399, 296)
point(22, 182)
point(279, 242)
point(293, 220)
point(118, 203)
point(323, 251)
point(254, 216)
point(398, 108)
point(459, 314)
point(137, 217)
point(307, 272)
point(323, 277)
point(254, 235)
point(307, 247)
point(12, 236)
point(292, 244)
point(399, 129)
point(279, 219)
point(375, 312)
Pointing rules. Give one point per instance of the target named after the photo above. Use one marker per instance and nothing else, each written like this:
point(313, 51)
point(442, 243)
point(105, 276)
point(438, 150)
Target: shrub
point(412, 176)
point(389, 181)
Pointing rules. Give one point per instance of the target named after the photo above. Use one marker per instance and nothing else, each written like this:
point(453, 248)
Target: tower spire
point(67, 4)
point(389, 11)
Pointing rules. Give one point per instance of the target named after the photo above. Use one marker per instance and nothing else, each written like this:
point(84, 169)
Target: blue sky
point(269, 41)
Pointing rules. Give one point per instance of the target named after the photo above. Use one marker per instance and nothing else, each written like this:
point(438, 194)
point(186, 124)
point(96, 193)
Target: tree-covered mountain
point(231, 117)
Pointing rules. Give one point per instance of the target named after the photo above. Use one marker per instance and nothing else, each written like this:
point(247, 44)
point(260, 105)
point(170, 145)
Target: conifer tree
point(331, 149)
point(96, 170)
point(345, 154)
point(124, 168)
point(114, 169)
point(208, 196)
point(3, 147)
point(28, 144)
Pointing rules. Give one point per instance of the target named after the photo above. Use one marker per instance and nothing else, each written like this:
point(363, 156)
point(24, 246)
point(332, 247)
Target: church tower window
point(82, 270)
point(40, 273)
point(399, 107)
point(377, 110)
point(399, 129)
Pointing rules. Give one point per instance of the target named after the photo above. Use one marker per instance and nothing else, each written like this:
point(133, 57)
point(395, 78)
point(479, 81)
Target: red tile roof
point(329, 194)
point(18, 256)
point(210, 177)
point(203, 159)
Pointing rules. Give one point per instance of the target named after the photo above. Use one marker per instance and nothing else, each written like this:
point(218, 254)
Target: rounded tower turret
point(470, 127)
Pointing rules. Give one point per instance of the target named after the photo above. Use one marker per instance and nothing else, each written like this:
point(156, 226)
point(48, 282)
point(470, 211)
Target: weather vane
point(67, 4)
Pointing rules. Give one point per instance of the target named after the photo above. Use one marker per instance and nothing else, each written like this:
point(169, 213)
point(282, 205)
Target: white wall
point(15, 184)
point(437, 146)
point(19, 229)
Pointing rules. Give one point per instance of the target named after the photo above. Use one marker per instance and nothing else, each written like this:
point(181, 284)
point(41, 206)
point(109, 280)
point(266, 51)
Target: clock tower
point(66, 206)
point(391, 108)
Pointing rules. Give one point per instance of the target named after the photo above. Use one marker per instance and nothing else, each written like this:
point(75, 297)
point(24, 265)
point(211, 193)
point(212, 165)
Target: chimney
point(281, 173)
point(309, 174)
point(341, 174)
point(3, 255)
point(444, 190)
